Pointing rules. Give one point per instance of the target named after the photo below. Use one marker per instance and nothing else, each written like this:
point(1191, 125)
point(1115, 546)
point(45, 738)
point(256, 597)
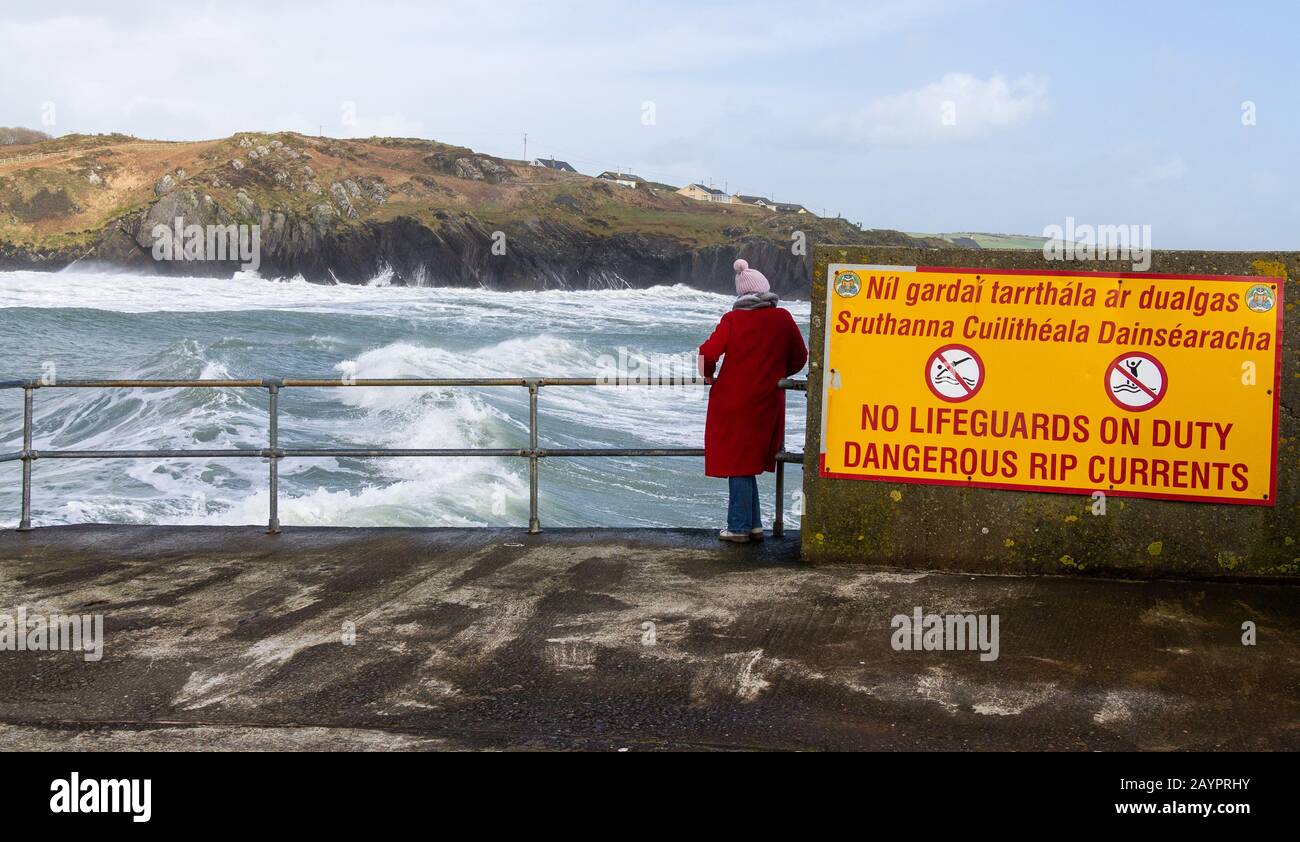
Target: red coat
point(745, 426)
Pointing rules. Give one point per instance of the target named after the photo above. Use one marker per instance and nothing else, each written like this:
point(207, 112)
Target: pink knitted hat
point(749, 281)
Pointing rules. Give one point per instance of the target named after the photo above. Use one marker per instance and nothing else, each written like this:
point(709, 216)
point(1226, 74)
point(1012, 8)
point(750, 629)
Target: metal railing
point(273, 453)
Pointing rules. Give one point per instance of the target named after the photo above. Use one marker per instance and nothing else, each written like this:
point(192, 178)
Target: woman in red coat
point(745, 426)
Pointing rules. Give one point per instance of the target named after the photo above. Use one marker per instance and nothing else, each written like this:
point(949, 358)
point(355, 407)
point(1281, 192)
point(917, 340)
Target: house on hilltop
point(626, 179)
point(757, 201)
point(552, 164)
point(706, 194)
point(791, 207)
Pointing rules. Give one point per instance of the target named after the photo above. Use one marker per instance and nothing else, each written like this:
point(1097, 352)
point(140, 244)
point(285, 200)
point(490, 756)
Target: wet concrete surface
point(226, 638)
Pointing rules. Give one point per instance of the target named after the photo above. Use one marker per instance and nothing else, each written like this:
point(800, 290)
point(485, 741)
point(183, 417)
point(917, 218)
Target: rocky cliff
point(406, 211)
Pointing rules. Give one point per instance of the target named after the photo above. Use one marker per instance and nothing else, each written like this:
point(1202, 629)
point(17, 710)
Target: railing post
point(778, 514)
point(273, 386)
point(534, 525)
point(25, 520)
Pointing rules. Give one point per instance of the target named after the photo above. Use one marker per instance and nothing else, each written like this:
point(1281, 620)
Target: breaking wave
point(88, 324)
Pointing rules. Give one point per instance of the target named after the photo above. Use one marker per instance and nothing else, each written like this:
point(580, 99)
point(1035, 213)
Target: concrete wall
point(909, 525)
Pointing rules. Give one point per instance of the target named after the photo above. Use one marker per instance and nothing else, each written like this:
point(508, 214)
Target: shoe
point(756, 533)
point(733, 537)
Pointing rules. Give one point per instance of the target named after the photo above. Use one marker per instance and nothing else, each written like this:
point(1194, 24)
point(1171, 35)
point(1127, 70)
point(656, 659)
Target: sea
point(86, 323)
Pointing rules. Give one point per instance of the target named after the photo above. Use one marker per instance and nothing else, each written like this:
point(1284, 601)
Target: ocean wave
point(110, 324)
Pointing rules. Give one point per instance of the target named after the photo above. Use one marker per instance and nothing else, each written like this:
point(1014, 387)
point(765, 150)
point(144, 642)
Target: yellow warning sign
point(1133, 384)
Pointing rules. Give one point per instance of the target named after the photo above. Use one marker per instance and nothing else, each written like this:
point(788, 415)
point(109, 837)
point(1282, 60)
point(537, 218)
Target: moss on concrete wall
point(978, 530)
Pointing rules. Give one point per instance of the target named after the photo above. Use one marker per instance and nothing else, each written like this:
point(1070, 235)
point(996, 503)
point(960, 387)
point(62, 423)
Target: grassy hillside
point(990, 241)
point(65, 191)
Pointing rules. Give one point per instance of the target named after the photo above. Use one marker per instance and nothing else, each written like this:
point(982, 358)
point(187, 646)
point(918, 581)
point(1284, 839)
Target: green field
point(993, 241)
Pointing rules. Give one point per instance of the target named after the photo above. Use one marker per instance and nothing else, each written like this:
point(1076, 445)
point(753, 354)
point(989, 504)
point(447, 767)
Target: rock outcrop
point(458, 251)
point(342, 211)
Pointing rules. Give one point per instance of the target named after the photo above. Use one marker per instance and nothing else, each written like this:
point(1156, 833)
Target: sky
point(919, 115)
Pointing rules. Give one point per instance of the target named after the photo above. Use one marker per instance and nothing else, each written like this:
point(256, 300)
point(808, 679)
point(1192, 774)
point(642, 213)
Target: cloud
point(957, 107)
point(1172, 170)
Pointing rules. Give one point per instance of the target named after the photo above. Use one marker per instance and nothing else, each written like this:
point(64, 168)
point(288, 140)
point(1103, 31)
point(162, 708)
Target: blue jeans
point(742, 507)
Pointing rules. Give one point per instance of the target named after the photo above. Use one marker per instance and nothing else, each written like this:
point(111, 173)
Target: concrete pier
point(227, 638)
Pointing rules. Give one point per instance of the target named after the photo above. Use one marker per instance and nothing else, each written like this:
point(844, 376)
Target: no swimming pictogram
point(1136, 381)
point(954, 373)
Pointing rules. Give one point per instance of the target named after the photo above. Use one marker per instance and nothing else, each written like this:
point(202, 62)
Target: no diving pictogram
point(954, 373)
point(1136, 381)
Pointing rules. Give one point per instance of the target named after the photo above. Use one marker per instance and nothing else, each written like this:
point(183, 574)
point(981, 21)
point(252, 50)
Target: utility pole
point(525, 147)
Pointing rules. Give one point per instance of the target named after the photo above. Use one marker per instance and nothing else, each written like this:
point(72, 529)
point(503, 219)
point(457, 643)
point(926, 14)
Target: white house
point(757, 201)
point(552, 164)
point(626, 179)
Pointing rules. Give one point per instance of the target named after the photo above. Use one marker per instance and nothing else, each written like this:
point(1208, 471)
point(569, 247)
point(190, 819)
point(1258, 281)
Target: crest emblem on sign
point(847, 284)
point(1260, 298)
